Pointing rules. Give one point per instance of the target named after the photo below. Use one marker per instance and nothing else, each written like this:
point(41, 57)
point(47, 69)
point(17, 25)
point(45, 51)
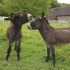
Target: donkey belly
point(63, 37)
point(14, 36)
point(63, 40)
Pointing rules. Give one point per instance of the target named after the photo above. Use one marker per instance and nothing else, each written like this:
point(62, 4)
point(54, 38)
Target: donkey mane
point(46, 22)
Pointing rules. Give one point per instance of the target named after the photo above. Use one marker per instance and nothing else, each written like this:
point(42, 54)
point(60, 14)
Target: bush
point(35, 7)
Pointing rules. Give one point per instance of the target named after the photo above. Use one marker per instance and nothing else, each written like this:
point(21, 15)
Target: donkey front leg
point(18, 49)
point(15, 46)
point(48, 53)
point(8, 51)
point(53, 53)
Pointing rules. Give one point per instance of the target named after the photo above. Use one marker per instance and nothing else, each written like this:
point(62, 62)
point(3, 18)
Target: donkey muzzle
point(29, 27)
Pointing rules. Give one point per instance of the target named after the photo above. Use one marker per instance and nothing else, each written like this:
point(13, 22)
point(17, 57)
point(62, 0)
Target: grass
point(33, 51)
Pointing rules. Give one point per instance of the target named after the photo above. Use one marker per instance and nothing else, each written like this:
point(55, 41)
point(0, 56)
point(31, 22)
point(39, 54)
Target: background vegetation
point(35, 7)
point(33, 51)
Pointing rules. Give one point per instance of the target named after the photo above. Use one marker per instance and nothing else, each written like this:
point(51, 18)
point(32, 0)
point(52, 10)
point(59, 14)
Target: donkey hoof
point(6, 59)
point(46, 60)
point(18, 61)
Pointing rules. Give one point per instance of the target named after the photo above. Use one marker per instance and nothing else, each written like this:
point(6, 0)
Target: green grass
point(33, 51)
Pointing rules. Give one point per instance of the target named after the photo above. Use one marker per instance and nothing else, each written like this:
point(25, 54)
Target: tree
point(64, 4)
point(35, 7)
point(55, 4)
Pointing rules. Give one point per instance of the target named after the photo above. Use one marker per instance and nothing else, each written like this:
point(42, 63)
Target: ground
point(33, 51)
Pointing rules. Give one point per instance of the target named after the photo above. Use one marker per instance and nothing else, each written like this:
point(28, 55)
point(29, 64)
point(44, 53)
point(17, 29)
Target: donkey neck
point(45, 28)
point(45, 31)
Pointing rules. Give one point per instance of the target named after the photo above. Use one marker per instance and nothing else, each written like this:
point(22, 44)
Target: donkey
point(14, 31)
point(52, 36)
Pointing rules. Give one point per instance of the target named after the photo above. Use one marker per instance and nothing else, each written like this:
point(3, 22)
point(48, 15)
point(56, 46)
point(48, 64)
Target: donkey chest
point(17, 35)
point(14, 35)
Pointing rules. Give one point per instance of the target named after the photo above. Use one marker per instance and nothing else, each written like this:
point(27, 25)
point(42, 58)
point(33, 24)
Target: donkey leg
point(8, 51)
point(48, 53)
point(53, 54)
point(15, 47)
point(18, 49)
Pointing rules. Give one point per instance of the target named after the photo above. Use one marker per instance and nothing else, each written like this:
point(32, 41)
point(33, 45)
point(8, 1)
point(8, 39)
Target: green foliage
point(35, 7)
point(33, 51)
point(55, 4)
point(64, 5)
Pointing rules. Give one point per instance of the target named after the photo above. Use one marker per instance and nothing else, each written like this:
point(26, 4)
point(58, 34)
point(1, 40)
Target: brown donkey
point(14, 31)
point(52, 36)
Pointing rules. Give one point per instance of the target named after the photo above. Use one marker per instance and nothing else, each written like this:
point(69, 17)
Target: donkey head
point(37, 23)
point(19, 17)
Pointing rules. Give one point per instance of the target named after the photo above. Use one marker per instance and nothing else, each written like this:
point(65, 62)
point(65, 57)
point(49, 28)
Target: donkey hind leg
point(53, 54)
point(48, 53)
point(18, 49)
point(8, 51)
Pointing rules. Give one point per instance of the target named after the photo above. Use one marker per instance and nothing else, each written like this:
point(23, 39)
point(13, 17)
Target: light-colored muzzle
point(30, 17)
point(29, 27)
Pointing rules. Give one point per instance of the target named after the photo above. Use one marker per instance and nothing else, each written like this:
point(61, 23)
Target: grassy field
point(33, 51)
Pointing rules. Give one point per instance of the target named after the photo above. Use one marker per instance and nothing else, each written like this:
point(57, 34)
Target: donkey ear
point(7, 18)
point(43, 14)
